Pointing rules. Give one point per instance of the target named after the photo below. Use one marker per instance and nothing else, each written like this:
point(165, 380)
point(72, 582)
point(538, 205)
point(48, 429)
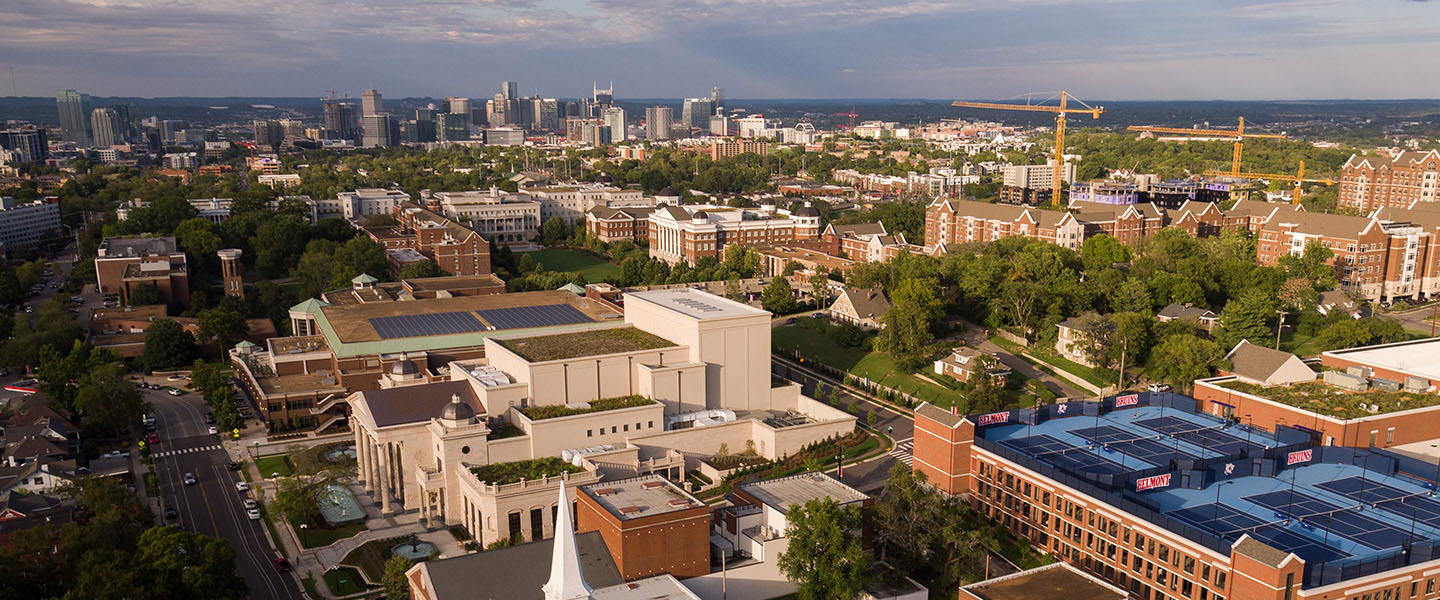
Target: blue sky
point(1102, 50)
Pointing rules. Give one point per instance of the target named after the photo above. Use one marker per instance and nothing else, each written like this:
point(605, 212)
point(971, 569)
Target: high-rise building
point(104, 127)
point(418, 131)
point(719, 124)
point(522, 113)
point(125, 116)
point(425, 114)
point(74, 110)
point(25, 144)
point(547, 114)
point(376, 133)
point(371, 103)
point(572, 109)
point(340, 119)
point(614, 118)
point(510, 90)
point(602, 99)
point(657, 122)
point(717, 96)
point(695, 114)
point(452, 127)
point(267, 133)
point(497, 111)
point(459, 106)
point(292, 129)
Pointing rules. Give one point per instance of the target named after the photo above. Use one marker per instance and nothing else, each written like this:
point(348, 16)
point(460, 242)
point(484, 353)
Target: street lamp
point(1215, 520)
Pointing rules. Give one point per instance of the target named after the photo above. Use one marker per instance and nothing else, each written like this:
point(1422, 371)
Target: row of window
point(617, 429)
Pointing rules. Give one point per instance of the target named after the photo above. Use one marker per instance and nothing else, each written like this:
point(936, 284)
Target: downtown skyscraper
point(75, 111)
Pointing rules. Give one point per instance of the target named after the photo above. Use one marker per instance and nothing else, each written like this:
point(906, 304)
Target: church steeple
point(566, 581)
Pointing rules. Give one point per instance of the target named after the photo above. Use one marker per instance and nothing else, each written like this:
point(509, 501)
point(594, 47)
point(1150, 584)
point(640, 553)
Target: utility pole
point(1124, 349)
point(1279, 328)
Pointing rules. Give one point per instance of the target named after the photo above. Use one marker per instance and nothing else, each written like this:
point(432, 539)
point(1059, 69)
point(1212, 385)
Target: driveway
point(975, 337)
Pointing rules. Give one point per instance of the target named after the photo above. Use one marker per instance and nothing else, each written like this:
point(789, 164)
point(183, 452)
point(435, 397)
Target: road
point(212, 506)
point(1415, 320)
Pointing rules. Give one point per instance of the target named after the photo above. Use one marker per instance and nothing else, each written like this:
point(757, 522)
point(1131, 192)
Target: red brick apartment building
point(650, 525)
point(610, 225)
point(456, 248)
point(1390, 254)
point(1192, 529)
point(121, 264)
point(1370, 182)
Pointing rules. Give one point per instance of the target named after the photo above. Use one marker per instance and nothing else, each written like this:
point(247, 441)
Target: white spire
point(566, 581)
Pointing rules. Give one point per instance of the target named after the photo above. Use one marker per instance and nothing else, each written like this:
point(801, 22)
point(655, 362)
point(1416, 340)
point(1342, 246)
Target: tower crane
point(850, 114)
point(1299, 177)
point(1239, 135)
point(1060, 113)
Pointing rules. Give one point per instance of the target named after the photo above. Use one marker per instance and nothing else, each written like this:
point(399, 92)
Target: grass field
point(278, 466)
point(878, 366)
point(345, 581)
point(555, 259)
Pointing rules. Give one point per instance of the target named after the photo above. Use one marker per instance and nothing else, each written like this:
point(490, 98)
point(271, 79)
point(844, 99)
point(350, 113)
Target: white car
point(1159, 387)
point(190, 479)
point(176, 392)
point(254, 514)
point(213, 430)
point(241, 486)
point(174, 378)
point(250, 504)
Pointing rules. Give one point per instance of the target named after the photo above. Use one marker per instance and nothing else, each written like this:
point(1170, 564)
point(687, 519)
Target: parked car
point(175, 392)
point(170, 513)
point(209, 418)
point(250, 504)
point(234, 466)
point(1159, 387)
point(190, 479)
point(154, 438)
point(213, 430)
point(281, 565)
point(253, 514)
point(241, 486)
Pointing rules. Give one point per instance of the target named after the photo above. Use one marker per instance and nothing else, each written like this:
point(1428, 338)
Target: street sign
point(142, 443)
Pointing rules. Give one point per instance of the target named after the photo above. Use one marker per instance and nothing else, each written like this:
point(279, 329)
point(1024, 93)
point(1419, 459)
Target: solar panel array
point(521, 317)
point(404, 326)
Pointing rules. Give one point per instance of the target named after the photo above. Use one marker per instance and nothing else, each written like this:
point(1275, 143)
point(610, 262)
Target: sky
point(1096, 49)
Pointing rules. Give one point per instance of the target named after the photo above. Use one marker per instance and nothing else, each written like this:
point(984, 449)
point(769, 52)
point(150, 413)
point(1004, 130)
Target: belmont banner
point(992, 418)
point(1152, 482)
point(1127, 400)
point(1299, 457)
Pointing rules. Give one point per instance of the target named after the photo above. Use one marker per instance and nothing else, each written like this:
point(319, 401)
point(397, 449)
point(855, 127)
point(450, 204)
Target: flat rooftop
point(784, 492)
point(136, 246)
point(1326, 508)
point(1318, 396)
point(592, 342)
point(351, 323)
point(1420, 357)
point(644, 496)
point(136, 313)
point(659, 587)
point(300, 344)
point(1058, 581)
point(298, 383)
point(453, 282)
point(695, 304)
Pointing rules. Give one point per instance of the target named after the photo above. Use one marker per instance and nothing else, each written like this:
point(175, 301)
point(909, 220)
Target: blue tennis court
point(1210, 438)
point(1231, 524)
point(1147, 449)
point(1387, 498)
point(1066, 456)
point(1345, 522)
point(425, 324)
point(521, 317)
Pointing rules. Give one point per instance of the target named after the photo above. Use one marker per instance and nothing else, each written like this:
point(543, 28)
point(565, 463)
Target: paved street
point(1415, 320)
point(212, 506)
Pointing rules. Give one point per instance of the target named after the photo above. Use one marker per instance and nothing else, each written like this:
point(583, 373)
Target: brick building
point(122, 264)
point(1202, 515)
point(1370, 182)
point(619, 224)
point(650, 525)
point(1392, 253)
point(456, 248)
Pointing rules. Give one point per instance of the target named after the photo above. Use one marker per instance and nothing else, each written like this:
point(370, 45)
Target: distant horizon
point(389, 97)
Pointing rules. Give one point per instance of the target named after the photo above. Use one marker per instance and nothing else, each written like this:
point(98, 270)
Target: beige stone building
point(683, 375)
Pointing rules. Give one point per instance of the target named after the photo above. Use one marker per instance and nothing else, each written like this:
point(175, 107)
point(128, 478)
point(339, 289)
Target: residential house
point(966, 362)
point(1202, 318)
point(1259, 365)
point(863, 308)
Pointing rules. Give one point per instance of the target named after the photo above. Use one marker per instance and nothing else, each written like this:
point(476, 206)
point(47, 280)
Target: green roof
point(364, 278)
point(572, 288)
point(594, 342)
point(310, 306)
point(511, 472)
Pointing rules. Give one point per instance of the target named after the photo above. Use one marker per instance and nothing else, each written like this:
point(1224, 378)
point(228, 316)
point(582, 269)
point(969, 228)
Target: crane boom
point(1239, 135)
point(1298, 178)
point(1060, 112)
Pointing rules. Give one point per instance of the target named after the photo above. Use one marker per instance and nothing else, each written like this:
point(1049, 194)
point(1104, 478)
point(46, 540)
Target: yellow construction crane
point(1060, 113)
point(1239, 135)
point(1299, 177)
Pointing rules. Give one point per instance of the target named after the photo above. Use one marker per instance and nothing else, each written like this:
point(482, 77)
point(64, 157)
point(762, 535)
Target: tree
point(1247, 317)
point(820, 287)
point(167, 345)
point(396, 586)
point(909, 324)
point(298, 499)
point(222, 326)
point(145, 294)
point(198, 237)
point(183, 564)
point(422, 269)
point(108, 402)
point(825, 558)
point(1313, 265)
point(982, 391)
point(1133, 296)
point(1103, 250)
point(1182, 358)
point(777, 297)
point(554, 232)
point(934, 535)
point(1349, 333)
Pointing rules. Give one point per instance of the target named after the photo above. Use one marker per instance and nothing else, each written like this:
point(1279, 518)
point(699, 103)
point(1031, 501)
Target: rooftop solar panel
point(521, 317)
point(403, 326)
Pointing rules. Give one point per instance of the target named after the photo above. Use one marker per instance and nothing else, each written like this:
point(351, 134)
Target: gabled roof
point(416, 403)
point(869, 303)
point(939, 415)
point(1326, 224)
point(310, 306)
point(855, 229)
point(1176, 310)
point(523, 569)
point(1256, 362)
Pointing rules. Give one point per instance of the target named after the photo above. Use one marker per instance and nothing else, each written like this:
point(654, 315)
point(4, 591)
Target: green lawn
point(317, 535)
point(344, 581)
point(278, 465)
point(878, 366)
point(1056, 362)
point(593, 268)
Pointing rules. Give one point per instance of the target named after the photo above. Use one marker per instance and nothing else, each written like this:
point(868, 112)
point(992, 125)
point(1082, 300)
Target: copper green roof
point(310, 306)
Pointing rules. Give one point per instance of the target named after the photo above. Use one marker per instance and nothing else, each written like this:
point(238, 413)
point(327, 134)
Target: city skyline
point(1116, 50)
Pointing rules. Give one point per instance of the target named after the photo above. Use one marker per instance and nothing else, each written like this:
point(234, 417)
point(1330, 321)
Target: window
point(627, 427)
point(1164, 553)
point(1219, 581)
point(537, 524)
point(1390, 435)
point(1189, 565)
point(589, 433)
point(1205, 573)
point(514, 524)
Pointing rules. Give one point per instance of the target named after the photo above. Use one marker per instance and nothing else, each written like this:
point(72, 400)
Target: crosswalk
point(903, 452)
point(187, 451)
